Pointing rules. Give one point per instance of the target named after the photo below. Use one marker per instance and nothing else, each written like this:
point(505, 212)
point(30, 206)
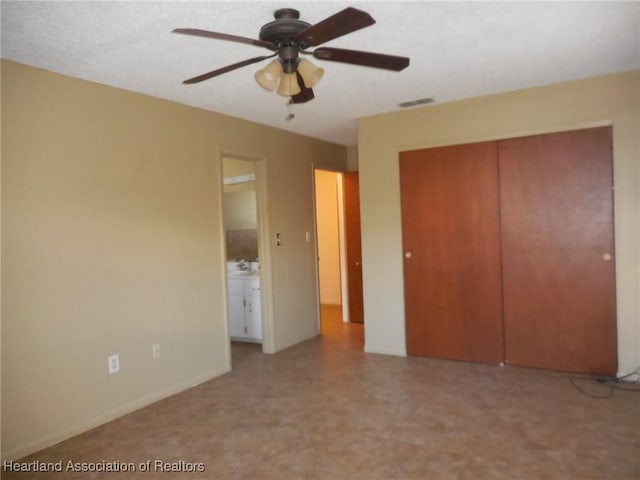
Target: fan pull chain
point(290, 115)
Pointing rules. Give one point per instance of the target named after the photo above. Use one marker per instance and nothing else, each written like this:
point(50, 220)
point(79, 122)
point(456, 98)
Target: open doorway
point(241, 219)
point(336, 252)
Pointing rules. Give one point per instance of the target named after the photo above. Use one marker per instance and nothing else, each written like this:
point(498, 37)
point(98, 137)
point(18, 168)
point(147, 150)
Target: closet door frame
point(609, 331)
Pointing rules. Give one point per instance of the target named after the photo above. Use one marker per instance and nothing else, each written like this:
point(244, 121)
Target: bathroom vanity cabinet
point(245, 320)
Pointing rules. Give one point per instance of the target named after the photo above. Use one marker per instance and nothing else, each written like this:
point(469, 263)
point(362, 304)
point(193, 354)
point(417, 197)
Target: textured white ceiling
point(457, 50)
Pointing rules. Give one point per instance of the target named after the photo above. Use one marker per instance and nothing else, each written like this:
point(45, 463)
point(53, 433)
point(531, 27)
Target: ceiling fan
point(288, 37)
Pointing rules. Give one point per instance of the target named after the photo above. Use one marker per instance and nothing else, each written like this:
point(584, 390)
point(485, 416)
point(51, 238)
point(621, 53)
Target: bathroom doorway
point(244, 245)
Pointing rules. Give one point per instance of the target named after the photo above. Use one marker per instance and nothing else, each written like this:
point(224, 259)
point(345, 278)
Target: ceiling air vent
point(414, 103)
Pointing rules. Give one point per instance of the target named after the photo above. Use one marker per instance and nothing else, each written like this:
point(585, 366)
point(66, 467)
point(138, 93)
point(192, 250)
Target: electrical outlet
point(114, 363)
point(155, 350)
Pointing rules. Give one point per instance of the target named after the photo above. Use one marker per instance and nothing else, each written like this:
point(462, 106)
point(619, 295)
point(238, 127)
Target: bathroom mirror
point(240, 210)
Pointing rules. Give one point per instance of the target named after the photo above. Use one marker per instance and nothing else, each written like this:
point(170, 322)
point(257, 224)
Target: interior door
point(557, 244)
point(451, 240)
point(354, 250)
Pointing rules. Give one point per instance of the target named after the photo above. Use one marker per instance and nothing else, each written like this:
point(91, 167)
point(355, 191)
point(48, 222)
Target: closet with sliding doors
point(508, 251)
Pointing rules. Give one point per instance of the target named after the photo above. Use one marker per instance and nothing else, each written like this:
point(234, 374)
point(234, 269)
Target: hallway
point(324, 409)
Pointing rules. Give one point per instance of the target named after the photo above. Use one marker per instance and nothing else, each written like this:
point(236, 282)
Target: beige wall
point(609, 100)
point(232, 167)
point(112, 241)
point(352, 158)
point(328, 236)
point(240, 211)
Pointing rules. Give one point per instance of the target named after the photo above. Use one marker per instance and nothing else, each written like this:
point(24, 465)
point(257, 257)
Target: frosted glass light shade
point(310, 73)
point(268, 77)
point(288, 85)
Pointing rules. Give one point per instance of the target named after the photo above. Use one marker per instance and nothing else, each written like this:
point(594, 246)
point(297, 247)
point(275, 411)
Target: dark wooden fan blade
point(367, 59)
point(305, 94)
point(228, 68)
point(346, 21)
point(196, 32)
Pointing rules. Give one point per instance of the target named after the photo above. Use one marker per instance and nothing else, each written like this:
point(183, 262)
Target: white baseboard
point(384, 351)
point(631, 377)
point(118, 412)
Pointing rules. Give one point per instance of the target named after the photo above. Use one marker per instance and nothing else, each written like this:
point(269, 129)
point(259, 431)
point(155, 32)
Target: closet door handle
point(408, 254)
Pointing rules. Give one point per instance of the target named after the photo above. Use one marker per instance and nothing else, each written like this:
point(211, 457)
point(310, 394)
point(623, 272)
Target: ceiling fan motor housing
point(281, 32)
point(284, 28)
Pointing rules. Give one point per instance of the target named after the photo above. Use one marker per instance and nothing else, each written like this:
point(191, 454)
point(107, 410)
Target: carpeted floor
point(326, 410)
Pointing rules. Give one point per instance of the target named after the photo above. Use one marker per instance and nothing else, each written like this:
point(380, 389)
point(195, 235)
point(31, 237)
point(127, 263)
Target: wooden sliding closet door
point(451, 241)
point(557, 249)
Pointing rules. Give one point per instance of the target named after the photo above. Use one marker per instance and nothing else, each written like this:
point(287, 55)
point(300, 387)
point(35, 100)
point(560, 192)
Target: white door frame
point(344, 288)
point(264, 249)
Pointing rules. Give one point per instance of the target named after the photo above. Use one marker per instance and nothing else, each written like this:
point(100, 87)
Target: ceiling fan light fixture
point(310, 73)
point(288, 85)
point(269, 76)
